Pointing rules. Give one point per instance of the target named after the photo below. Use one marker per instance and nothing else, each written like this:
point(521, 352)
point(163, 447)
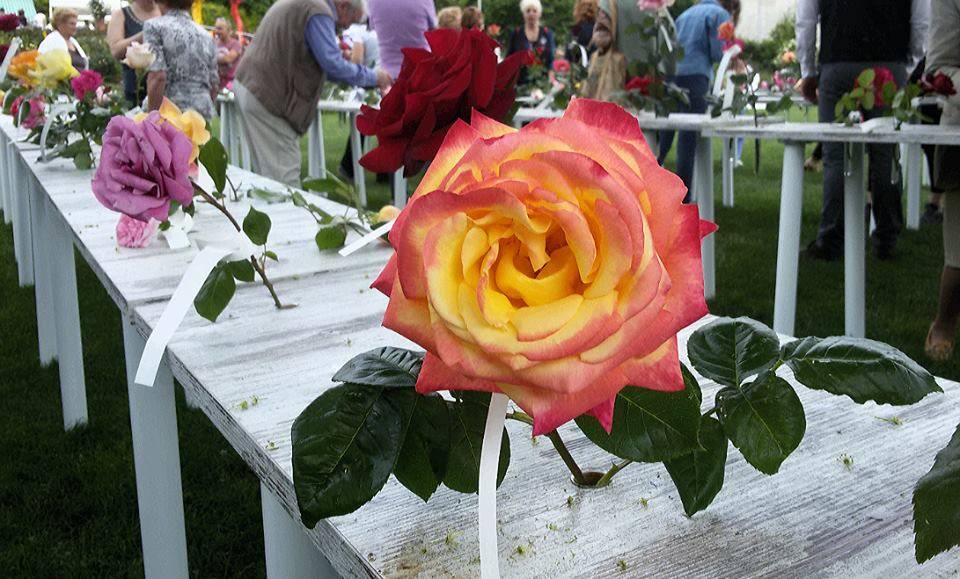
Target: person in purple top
point(400, 24)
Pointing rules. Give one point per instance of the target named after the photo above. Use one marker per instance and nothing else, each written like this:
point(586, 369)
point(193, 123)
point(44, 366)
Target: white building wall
point(758, 17)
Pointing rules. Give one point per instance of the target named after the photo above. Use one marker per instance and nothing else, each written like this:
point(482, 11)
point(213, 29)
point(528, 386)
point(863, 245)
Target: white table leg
point(4, 190)
point(63, 276)
point(703, 185)
point(359, 182)
point(314, 147)
point(854, 244)
point(225, 118)
point(788, 240)
point(43, 288)
point(914, 175)
point(729, 148)
point(21, 219)
point(156, 457)
point(399, 189)
point(288, 550)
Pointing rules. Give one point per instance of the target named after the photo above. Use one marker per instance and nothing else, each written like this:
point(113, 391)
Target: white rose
point(139, 56)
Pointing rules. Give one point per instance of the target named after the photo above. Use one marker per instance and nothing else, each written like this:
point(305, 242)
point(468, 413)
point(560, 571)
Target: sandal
point(940, 351)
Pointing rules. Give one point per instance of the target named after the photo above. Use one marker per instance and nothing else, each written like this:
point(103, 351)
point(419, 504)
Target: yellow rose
point(190, 123)
point(52, 68)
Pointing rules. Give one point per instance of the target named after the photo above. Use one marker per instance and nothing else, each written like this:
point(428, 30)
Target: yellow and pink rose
point(554, 264)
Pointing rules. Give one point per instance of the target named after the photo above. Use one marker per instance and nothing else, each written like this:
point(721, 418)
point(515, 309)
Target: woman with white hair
point(532, 36)
point(64, 23)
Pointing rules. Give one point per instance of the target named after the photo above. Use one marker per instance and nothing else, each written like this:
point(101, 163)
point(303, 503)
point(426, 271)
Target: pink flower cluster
point(87, 83)
point(35, 117)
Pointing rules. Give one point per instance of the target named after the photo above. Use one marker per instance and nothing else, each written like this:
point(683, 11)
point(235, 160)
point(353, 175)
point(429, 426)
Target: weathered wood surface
point(815, 517)
point(836, 132)
point(133, 275)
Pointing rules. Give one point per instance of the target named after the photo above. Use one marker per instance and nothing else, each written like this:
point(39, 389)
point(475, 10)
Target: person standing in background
point(125, 28)
point(281, 76)
point(229, 51)
point(584, 19)
point(400, 24)
point(698, 32)
point(23, 18)
point(944, 58)
point(450, 17)
point(533, 36)
point(856, 35)
point(472, 18)
point(62, 38)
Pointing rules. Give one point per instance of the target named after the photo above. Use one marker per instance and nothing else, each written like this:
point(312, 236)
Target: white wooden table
point(795, 136)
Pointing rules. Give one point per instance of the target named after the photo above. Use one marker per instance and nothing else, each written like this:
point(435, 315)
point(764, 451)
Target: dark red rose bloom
point(3, 51)
point(9, 22)
point(640, 83)
point(938, 84)
point(435, 88)
point(561, 66)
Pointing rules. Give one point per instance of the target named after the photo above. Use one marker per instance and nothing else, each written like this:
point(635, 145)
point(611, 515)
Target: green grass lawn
point(68, 501)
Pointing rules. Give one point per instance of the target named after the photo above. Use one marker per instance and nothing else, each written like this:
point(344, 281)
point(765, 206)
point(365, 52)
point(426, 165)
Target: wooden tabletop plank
point(835, 132)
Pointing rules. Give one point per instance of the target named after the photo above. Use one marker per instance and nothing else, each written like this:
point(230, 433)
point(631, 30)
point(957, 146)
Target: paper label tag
point(489, 466)
point(176, 234)
point(367, 239)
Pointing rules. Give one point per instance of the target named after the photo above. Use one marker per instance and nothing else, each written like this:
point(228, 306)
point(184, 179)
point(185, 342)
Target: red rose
point(435, 88)
point(9, 22)
point(881, 76)
point(640, 83)
point(938, 84)
point(3, 51)
point(561, 66)
point(493, 30)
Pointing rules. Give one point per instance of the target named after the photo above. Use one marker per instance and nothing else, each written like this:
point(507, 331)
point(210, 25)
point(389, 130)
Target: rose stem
point(559, 445)
point(253, 261)
point(608, 476)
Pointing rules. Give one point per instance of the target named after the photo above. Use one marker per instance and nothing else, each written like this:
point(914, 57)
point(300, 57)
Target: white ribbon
point(237, 246)
point(366, 239)
point(176, 234)
point(11, 52)
point(489, 467)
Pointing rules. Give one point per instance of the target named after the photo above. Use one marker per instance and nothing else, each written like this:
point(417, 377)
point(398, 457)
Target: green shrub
point(98, 51)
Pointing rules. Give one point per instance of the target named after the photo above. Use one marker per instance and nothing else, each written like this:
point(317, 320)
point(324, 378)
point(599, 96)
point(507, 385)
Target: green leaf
point(271, 255)
point(216, 293)
point(344, 446)
point(468, 417)
point(936, 504)
point(83, 161)
point(868, 100)
point(387, 367)
point(331, 237)
point(422, 462)
point(866, 77)
point(214, 158)
point(257, 226)
point(763, 419)
point(692, 387)
point(730, 350)
point(859, 368)
point(298, 199)
point(241, 270)
point(698, 476)
point(267, 195)
point(648, 426)
point(888, 91)
point(858, 92)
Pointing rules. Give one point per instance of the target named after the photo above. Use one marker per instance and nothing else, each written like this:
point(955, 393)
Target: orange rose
point(554, 264)
point(22, 64)
point(726, 31)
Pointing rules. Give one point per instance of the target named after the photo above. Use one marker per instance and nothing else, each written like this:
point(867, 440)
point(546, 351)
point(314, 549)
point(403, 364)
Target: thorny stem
point(257, 266)
point(559, 445)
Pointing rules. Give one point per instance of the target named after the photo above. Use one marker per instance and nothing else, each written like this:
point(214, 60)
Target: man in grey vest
point(856, 35)
point(280, 78)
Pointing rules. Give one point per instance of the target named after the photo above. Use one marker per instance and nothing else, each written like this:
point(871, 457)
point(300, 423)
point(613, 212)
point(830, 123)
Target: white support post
point(226, 119)
point(4, 204)
point(729, 150)
point(703, 186)
point(359, 182)
point(315, 153)
point(399, 189)
point(914, 175)
point(854, 244)
point(43, 287)
point(289, 552)
point(21, 219)
point(63, 276)
point(788, 241)
point(156, 457)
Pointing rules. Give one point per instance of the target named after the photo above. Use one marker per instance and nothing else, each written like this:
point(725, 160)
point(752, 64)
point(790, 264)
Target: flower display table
point(795, 136)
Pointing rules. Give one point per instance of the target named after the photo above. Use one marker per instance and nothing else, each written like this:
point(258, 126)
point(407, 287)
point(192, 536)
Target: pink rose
point(88, 82)
point(135, 233)
point(35, 116)
point(654, 4)
point(143, 168)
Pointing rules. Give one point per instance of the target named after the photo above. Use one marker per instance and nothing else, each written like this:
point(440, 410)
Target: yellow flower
point(22, 64)
point(386, 213)
point(190, 123)
point(52, 68)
